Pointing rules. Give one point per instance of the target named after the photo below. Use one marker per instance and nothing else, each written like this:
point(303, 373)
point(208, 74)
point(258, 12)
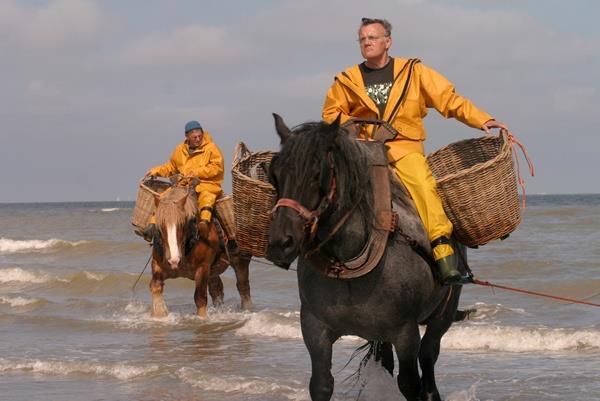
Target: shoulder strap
point(410, 64)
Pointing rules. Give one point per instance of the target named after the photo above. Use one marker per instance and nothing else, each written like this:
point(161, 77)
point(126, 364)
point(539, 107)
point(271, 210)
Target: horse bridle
point(311, 217)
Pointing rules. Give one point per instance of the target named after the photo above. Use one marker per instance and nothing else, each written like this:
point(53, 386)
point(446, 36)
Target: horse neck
point(352, 236)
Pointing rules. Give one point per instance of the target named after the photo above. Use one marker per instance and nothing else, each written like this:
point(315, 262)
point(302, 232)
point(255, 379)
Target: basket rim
point(505, 151)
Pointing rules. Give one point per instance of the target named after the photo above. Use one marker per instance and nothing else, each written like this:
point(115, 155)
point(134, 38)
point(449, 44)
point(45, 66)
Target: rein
point(311, 217)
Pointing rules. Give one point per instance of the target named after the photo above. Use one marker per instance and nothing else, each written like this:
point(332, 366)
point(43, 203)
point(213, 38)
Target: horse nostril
point(288, 242)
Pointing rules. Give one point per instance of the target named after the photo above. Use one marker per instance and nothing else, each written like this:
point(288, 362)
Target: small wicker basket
point(224, 209)
point(144, 204)
point(253, 199)
point(477, 183)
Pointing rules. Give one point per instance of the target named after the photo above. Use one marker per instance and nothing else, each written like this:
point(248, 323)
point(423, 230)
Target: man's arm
point(336, 104)
point(440, 94)
point(211, 163)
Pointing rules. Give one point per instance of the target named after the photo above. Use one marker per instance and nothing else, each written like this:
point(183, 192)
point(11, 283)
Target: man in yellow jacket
point(373, 89)
point(197, 156)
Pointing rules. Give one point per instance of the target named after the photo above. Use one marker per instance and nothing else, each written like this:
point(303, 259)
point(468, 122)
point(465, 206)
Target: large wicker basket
point(477, 183)
point(144, 204)
point(253, 199)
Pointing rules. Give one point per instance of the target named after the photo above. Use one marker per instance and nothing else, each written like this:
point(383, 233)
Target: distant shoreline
point(132, 202)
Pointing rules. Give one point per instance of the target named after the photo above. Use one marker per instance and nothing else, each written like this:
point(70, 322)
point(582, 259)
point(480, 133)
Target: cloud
point(187, 46)
point(58, 23)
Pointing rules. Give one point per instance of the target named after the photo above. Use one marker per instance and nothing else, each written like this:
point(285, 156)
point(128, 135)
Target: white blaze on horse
point(181, 250)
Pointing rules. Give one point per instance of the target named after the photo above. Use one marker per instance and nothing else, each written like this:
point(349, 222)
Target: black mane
point(309, 145)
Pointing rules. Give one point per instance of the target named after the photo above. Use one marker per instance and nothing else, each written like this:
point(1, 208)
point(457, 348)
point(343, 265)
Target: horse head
point(176, 212)
point(318, 173)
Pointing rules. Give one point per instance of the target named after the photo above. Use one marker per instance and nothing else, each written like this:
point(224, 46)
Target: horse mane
point(168, 210)
point(309, 145)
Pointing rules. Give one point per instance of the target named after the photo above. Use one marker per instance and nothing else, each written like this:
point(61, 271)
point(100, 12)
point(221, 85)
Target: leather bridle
point(311, 217)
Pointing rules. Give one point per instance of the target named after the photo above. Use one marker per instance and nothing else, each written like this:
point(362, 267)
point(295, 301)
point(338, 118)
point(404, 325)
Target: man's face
point(194, 138)
point(373, 42)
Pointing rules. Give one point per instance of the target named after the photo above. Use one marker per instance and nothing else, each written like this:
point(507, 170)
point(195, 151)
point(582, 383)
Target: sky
point(94, 93)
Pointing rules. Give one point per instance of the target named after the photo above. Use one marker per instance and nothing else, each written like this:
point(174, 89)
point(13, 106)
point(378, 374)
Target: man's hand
point(489, 124)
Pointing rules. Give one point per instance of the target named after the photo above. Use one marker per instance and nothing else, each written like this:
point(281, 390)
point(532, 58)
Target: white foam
point(244, 385)
point(17, 301)
point(519, 339)
point(57, 367)
point(94, 276)
point(110, 209)
point(270, 324)
point(16, 274)
point(8, 245)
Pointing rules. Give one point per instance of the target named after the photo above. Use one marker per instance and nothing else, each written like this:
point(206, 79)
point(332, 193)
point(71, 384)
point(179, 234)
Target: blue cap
point(192, 125)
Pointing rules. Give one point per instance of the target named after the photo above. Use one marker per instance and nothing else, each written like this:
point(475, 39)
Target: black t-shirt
point(378, 83)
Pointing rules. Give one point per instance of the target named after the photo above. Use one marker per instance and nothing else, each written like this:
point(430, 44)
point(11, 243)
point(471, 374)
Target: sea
point(74, 326)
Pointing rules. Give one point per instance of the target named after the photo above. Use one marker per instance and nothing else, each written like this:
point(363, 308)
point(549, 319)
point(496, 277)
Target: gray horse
point(385, 306)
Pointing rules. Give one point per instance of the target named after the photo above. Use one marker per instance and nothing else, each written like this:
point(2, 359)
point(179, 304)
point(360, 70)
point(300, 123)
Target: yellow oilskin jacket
point(204, 162)
point(427, 89)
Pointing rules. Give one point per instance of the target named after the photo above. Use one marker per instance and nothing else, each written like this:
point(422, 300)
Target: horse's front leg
point(319, 342)
point(201, 278)
point(240, 264)
point(157, 284)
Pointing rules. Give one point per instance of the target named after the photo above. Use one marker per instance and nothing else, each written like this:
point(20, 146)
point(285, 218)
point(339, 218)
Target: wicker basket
point(144, 204)
point(253, 199)
point(477, 183)
point(224, 209)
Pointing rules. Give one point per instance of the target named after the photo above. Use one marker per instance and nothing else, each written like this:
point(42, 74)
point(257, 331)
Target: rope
point(514, 142)
point(539, 294)
point(268, 263)
point(140, 276)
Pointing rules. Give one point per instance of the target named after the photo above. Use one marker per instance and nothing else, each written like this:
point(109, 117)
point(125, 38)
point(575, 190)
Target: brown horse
point(180, 249)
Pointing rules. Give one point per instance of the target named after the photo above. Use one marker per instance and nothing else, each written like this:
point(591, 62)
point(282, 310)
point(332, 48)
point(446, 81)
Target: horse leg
point(430, 344)
point(240, 266)
point(157, 284)
point(215, 289)
point(407, 351)
point(200, 294)
point(319, 342)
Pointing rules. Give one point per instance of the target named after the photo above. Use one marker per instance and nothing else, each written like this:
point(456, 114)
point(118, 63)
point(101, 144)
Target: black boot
point(447, 271)
point(148, 232)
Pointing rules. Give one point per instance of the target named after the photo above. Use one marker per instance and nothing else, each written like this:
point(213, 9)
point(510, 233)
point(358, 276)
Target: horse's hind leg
point(215, 289)
point(240, 265)
point(407, 350)
point(430, 344)
point(157, 284)
point(319, 342)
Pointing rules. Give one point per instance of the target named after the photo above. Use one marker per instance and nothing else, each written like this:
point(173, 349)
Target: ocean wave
point(18, 301)
point(17, 274)
point(291, 390)
point(57, 367)
point(520, 339)
point(8, 245)
point(474, 336)
point(110, 209)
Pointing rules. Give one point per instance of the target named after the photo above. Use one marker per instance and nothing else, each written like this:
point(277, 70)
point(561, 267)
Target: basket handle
point(514, 143)
point(240, 153)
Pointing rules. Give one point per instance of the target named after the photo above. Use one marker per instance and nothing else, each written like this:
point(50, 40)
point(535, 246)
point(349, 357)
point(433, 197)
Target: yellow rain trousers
point(204, 162)
point(416, 175)
point(348, 99)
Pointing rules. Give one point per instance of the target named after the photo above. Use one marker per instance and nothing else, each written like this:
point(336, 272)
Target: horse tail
point(379, 350)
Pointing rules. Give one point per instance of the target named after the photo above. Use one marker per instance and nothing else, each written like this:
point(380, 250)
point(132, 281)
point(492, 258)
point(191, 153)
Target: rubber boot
point(447, 272)
point(204, 224)
point(148, 232)
point(445, 258)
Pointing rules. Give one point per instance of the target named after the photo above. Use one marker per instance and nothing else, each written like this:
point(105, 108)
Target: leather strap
point(411, 65)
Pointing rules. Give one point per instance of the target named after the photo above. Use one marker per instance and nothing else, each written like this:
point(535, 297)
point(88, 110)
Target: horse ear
point(282, 129)
point(334, 127)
